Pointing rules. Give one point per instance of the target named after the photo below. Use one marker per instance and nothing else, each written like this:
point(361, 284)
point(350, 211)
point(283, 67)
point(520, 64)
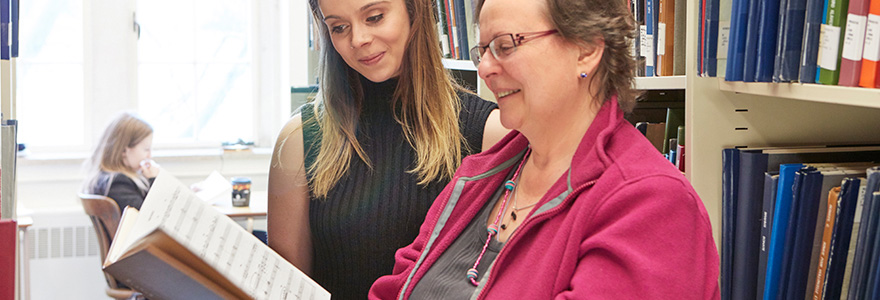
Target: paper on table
point(215, 189)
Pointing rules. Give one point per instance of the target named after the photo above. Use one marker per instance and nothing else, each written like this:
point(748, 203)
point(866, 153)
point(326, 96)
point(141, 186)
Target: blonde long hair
point(428, 112)
point(124, 131)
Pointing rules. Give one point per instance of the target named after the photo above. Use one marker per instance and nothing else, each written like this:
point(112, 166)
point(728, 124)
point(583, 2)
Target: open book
point(179, 247)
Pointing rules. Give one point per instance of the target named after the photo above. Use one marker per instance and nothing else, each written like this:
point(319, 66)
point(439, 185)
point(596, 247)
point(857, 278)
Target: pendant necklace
point(517, 209)
point(492, 230)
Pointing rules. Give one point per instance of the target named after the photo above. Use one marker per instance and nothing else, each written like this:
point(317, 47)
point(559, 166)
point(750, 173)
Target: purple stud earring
point(584, 75)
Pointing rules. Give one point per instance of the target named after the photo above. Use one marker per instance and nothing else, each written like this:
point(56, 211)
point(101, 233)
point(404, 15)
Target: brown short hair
point(125, 131)
point(586, 21)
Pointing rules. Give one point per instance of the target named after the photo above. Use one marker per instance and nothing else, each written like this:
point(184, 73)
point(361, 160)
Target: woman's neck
point(553, 148)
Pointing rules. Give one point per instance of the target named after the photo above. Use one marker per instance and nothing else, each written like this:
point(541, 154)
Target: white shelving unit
point(810, 92)
point(720, 114)
point(456, 64)
point(660, 83)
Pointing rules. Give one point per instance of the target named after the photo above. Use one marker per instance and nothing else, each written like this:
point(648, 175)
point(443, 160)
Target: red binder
point(7, 259)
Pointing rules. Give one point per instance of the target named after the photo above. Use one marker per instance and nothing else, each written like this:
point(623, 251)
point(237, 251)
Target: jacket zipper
point(413, 272)
point(524, 225)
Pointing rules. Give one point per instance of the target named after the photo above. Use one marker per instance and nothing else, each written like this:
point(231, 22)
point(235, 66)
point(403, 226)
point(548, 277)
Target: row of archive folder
point(455, 27)
point(831, 42)
point(660, 37)
point(801, 223)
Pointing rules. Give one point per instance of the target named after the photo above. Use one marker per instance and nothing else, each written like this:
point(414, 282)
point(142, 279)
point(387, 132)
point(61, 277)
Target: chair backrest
point(105, 214)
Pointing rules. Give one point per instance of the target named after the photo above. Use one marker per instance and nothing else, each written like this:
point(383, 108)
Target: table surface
point(258, 206)
point(25, 222)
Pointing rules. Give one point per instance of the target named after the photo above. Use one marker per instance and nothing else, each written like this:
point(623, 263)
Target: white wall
point(52, 182)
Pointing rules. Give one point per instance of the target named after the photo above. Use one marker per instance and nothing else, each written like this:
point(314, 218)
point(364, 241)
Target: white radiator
point(63, 257)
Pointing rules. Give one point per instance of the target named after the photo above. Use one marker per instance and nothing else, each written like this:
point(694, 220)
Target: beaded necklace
point(509, 185)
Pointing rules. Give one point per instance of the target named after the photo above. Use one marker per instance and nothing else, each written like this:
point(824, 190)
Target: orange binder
point(665, 48)
point(871, 54)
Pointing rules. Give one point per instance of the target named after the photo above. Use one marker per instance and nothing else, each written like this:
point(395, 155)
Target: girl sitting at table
point(121, 167)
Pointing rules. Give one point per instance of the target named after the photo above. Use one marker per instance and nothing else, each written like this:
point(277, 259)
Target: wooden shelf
point(660, 83)
point(457, 64)
point(861, 97)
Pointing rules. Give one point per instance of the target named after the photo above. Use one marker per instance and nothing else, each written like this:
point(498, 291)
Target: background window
point(194, 70)
point(49, 73)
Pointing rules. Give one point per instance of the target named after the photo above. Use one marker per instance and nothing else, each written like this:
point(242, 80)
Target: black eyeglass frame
point(517, 38)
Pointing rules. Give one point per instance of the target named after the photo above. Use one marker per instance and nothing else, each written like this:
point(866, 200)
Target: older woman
point(574, 203)
point(355, 171)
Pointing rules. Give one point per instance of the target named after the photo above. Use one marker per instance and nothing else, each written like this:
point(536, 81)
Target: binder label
point(872, 38)
point(661, 38)
point(829, 43)
point(723, 39)
point(644, 49)
point(854, 37)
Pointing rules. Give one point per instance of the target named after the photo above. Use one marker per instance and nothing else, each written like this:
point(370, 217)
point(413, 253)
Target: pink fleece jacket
point(623, 223)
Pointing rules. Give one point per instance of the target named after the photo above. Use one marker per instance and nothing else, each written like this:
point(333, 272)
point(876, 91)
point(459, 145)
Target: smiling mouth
point(508, 93)
point(371, 60)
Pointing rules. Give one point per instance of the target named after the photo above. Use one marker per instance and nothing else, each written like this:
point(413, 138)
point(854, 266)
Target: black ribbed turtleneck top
point(370, 213)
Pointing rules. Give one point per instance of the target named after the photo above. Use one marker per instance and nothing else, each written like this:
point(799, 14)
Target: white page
point(215, 189)
point(219, 240)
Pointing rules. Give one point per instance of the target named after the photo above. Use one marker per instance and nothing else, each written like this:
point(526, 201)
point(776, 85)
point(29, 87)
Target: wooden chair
point(105, 214)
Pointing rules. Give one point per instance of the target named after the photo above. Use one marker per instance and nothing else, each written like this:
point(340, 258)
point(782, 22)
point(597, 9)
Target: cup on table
point(241, 191)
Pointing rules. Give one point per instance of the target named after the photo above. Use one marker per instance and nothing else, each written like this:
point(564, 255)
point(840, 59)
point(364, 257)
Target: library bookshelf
point(721, 114)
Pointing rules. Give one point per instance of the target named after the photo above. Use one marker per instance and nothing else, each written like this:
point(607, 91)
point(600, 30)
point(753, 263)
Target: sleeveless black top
point(370, 213)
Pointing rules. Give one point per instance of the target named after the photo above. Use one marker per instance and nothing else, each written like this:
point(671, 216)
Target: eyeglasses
point(505, 44)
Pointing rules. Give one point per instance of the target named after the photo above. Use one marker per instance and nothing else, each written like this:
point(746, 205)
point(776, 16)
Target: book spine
point(853, 43)
point(679, 151)
point(810, 48)
point(791, 34)
point(641, 36)
point(450, 27)
point(666, 31)
point(873, 277)
point(461, 22)
point(840, 238)
point(780, 229)
point(750, 52)
point(679, 34)
point(738, 27)
point(826, 243)
point(748, 226)
point(767, 32)
point(716, 37)
point(865, 244)
point(723, 37)
point(650, 34)
point(441, 28)
point(767, 215)
point(5, 18)
point(830, 42)
point(871, 52)
point(729, 183)
point(13, 19)
point(782, 291)
point(808, 209)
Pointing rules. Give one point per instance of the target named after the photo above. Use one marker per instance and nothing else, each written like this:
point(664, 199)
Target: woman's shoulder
point(119, 178)
point(471, 102)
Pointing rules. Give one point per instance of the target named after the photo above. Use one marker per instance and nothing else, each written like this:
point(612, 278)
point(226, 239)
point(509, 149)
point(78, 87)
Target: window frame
point(110, 73)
